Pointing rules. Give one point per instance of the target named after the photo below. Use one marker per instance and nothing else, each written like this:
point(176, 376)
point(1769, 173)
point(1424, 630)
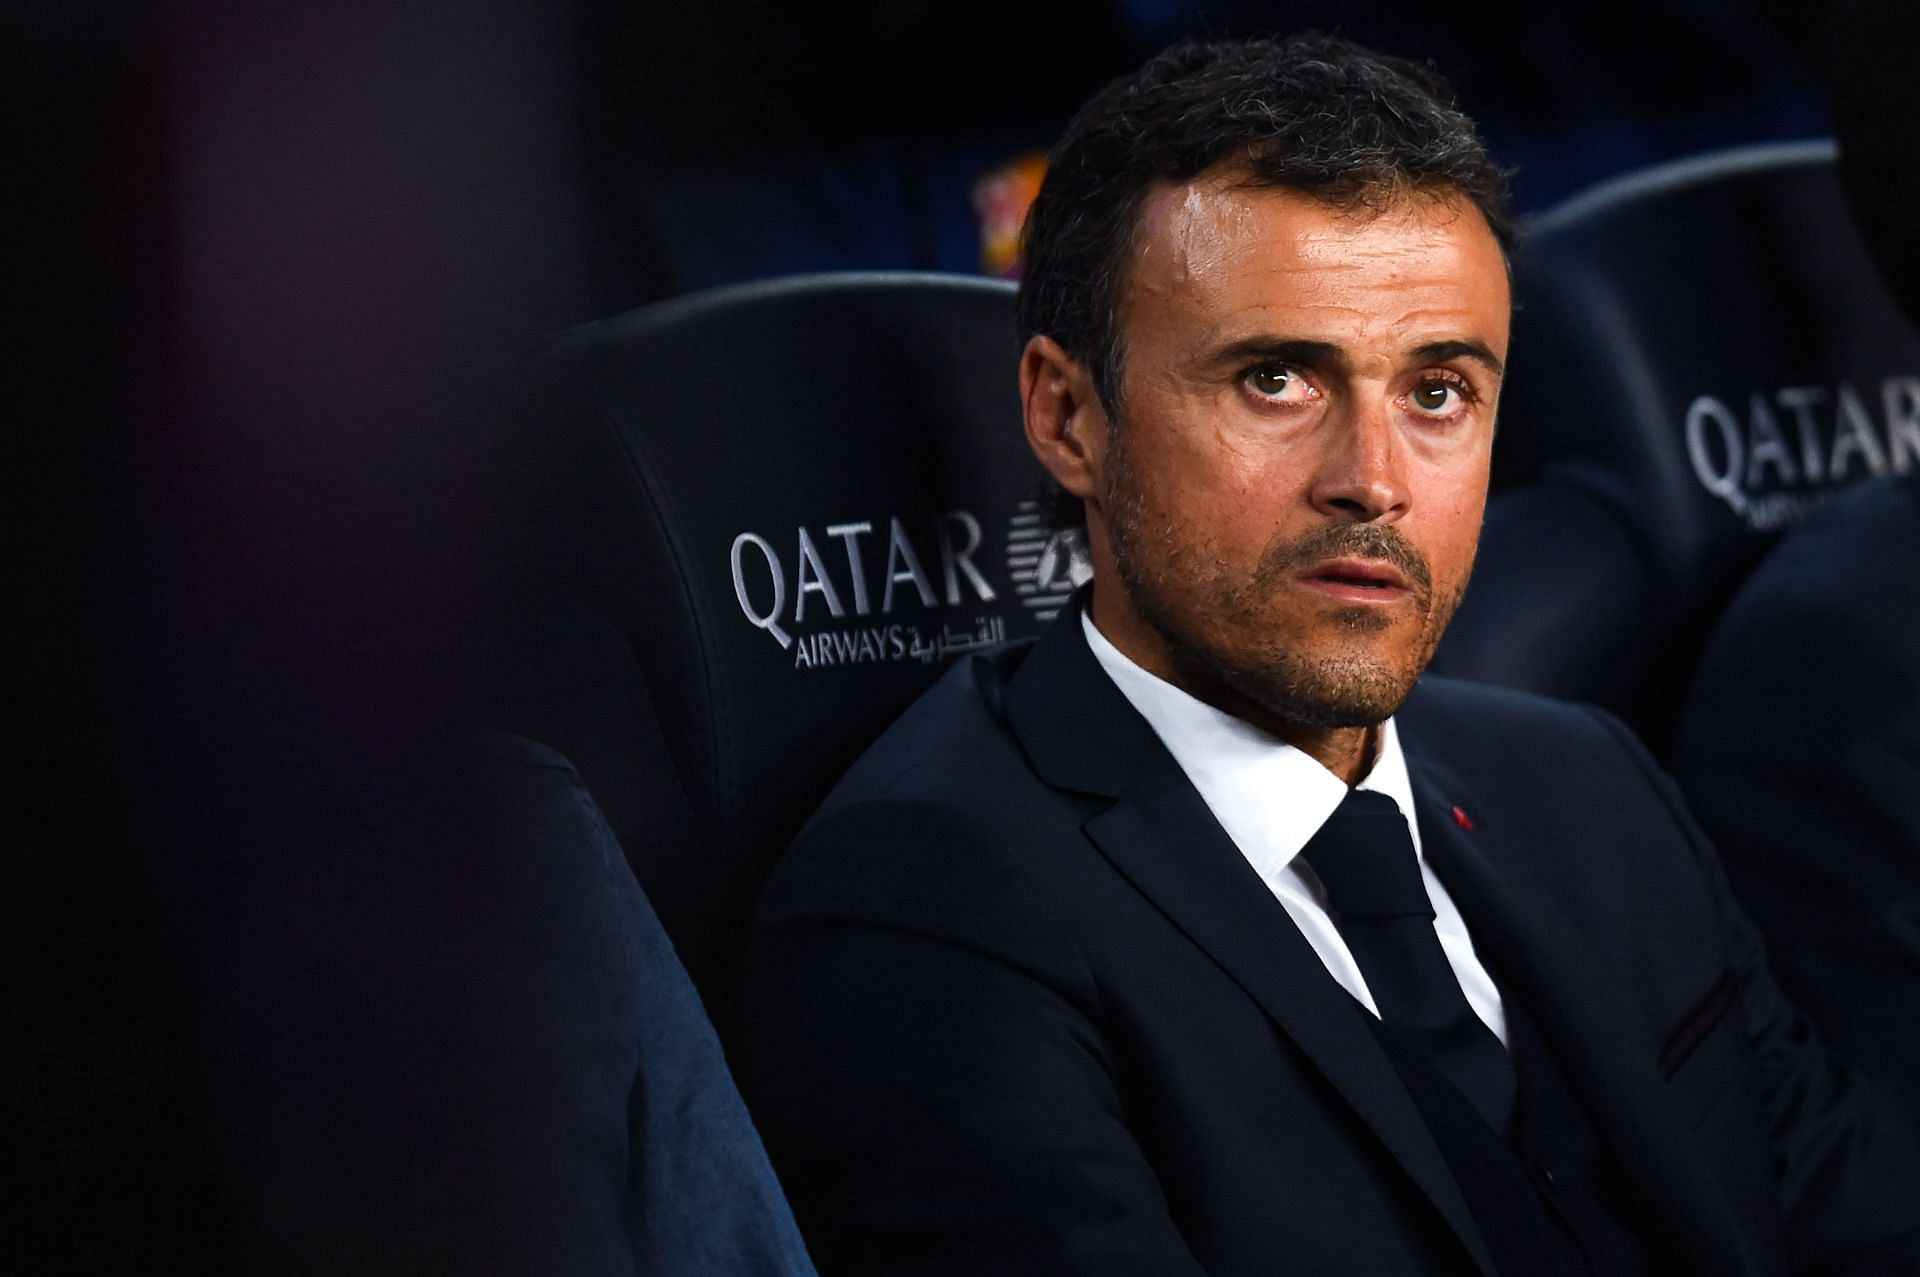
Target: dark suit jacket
point(1018, 1005)
point(456, 1040)
point(1800, 750)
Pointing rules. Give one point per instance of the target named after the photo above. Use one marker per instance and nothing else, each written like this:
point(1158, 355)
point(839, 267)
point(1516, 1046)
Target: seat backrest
point(1701, 353)
point(770, 516)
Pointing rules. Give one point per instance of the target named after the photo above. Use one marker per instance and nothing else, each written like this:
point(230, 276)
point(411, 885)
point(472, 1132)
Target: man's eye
point(1276, 381)
point(1439, 395)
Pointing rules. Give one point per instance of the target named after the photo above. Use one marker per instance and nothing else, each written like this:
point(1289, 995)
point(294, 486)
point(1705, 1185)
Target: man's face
point(1292, 493)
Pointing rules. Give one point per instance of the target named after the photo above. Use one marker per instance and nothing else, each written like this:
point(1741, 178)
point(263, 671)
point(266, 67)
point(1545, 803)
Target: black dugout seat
point(1702, 352)
point(767, 518)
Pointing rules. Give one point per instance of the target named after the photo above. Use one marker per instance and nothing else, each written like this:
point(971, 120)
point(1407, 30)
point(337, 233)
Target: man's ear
point(1066, 422)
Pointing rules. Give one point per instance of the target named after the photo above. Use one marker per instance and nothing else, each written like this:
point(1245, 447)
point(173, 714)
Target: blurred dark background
point(809, 142)
point(271, 265)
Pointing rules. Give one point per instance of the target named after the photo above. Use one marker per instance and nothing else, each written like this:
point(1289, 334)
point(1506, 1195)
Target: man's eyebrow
point(1324, 354)
point(1303, 351)
point(1438, 352)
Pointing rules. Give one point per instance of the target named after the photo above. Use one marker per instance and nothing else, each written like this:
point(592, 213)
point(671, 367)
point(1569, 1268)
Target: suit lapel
point(1597, 1034)
point(1081, 734)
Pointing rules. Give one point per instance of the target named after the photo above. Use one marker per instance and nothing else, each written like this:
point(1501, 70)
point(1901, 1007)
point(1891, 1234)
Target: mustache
point(1286, 559)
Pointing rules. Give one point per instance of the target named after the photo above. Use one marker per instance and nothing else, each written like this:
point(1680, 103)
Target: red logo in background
point(1000, 200)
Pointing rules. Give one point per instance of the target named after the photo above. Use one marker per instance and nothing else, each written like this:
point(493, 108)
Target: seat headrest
point(1709, 343)
point(790, 506)
point(1701, 353)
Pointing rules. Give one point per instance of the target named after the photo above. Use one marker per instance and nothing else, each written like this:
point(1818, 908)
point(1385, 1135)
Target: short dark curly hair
point(1313, 112)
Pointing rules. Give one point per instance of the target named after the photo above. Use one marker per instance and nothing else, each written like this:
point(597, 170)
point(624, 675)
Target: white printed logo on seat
point(1793, 447)
point(1047, 564)
point(797, 599)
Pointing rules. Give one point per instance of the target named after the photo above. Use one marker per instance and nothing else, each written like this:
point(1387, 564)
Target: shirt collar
point(1270, 797)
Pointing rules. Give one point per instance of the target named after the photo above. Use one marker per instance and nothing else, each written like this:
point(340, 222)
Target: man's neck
point(1347, 752)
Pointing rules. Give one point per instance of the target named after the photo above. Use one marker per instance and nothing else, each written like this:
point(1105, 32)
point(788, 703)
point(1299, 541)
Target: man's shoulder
point(941, 827)
point(1476, 720)
point(1845, 564)
point(952, 744)
point(1556, 754)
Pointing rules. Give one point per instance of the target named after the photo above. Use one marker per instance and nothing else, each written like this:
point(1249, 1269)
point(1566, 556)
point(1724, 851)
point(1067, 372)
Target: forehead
point(1215, 253)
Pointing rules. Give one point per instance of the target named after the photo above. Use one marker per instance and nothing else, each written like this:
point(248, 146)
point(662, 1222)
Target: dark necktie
point(1364, 858)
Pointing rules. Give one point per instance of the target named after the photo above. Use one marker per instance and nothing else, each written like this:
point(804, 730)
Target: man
point(1799, 747)
point(1196, 938)
point(447, 1034)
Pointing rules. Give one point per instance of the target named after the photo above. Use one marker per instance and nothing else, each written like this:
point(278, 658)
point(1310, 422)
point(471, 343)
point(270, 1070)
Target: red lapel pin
point(1461, 818)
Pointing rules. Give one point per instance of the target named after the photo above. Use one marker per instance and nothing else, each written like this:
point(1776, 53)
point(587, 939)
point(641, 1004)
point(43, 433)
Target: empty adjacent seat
point(767, 518)
point(1702, 353)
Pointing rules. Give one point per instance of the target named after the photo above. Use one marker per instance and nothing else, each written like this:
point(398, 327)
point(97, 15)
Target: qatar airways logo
point(1784, 451)
point(830, 598)
point(1047, 564)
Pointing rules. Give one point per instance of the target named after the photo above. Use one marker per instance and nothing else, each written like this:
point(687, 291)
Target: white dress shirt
point(1271, 798)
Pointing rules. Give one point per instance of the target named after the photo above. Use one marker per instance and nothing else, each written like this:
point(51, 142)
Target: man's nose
point(1361, 473)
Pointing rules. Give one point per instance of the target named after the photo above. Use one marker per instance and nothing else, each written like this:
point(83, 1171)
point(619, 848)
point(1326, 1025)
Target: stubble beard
point(1183, 593)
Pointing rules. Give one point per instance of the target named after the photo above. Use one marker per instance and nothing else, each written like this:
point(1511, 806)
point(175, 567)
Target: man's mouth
point(1357, 580)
